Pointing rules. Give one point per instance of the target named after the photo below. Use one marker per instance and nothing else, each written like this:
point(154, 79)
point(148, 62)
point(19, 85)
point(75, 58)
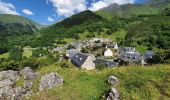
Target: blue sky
point(51, 11)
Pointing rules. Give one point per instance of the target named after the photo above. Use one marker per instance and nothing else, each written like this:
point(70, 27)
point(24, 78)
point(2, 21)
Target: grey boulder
point(50, 80)
point(9, 74)
point(112, 80)
point(28, 73)
point(6, 82)
point(6, 93)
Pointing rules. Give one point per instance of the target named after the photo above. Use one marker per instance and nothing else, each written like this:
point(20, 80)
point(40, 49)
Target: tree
point(15, 54)
point(108, 32)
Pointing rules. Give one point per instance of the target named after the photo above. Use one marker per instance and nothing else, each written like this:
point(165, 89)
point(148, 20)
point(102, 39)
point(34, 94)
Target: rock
point(9, 74)
point(112, 80)
point(6, 82)
point(6, 93)
point(28, 73)
point(50, 80)
point(28, 85)
point(112, 94)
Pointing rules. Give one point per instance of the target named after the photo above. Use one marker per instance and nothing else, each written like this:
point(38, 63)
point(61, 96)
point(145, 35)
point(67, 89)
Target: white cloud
point(50, 19)
point(104, 3)
point(68, 7)
point(7, 8)
point(96, 6)
point(27, 12)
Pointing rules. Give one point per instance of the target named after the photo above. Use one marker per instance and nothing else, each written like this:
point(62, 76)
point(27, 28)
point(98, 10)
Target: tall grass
point(135, 83)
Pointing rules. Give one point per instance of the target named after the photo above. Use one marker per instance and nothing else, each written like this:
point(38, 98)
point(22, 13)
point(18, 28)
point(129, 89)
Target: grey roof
point(78, 59)
point(105, 62)
point(72, 52)
point(110, 45)
point(149, 54)
point(135, 57)
point(128, 49)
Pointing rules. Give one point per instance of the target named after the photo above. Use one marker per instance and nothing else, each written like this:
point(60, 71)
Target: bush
point(15, 54)
point(101, 66)
point(11, 65)
point(64, 64)
point(162, 56)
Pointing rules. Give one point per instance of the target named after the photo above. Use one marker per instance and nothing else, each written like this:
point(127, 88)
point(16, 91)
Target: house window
point(76, 56)
point(80, 59)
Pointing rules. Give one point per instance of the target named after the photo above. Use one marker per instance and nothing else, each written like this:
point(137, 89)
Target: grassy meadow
point(135, 83)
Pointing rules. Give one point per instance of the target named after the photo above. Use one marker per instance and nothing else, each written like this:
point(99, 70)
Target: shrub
point(101, 66)
point(11, 65)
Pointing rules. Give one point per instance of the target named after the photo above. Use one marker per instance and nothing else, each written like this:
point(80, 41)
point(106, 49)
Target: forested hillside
point(154, 32)
point(14, 26)
point(152, 7)
point(77, 25)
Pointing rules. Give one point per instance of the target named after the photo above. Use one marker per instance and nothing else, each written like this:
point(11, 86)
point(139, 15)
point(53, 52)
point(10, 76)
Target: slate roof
point(105, 62)
point(128, 49)
point(72, 52)
point(78, 59)
point(134, 57)
point(110, 45)
point(149, 55)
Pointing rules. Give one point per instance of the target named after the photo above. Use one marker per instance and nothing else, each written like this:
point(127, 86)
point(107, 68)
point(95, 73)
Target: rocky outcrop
point(50, 80)
point(112, 80)
point(6, 92)
point(10, 93)
point(28, 73)
point(8, 78)
point(9, 74)
point(112, 94)
point(7, 84)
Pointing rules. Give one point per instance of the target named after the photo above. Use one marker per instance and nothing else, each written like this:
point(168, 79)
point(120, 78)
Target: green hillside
point(14, 26)
point(135, 83)
point(153, 32)
point(86, 24)
point(153, 7)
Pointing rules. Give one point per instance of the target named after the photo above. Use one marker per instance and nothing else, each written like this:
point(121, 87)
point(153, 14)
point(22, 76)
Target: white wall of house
point(108, 53)
point(116, 46)
point(89, 63)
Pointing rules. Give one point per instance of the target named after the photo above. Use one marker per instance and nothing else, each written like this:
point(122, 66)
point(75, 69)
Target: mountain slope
point(153, 32)
point(85, 24)
point(70, 27)
point(16, 25)
point(152, 7)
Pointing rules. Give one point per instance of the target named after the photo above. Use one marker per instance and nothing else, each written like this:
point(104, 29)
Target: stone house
point(149, 54)
point(113, 46)
point(131, 57)
point(108, 53)
point(84, 61)
point(128, 50)
point(109, 64)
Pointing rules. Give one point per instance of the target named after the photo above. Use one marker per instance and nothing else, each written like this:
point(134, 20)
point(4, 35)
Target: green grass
point(142, 49)
point(136, 83)
point(121, 34)
point(27, 51)
point(5, 55)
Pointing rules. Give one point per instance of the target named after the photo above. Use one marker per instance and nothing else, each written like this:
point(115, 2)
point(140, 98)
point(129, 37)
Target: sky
point(51, 11)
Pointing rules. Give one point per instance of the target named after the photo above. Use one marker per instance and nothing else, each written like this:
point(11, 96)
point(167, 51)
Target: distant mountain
point(12, 27)
point(86, 24)
point(153, 32)
point(151, 7)
point(15, 25)
point(74, 24)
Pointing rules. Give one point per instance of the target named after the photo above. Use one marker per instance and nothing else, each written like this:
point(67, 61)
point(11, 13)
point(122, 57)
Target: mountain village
point(88, 54)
